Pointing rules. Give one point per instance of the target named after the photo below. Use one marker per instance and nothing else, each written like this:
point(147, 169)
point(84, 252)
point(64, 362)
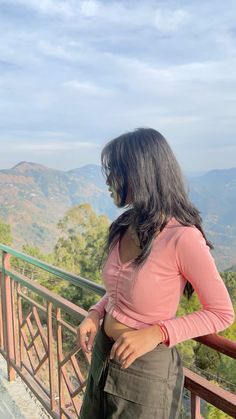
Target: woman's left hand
point(135, 343)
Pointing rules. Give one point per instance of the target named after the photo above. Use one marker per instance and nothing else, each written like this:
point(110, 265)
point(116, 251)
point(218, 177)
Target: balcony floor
point(16, 400)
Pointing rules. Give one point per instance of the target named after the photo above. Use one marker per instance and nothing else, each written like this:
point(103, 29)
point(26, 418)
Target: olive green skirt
point(150, 388)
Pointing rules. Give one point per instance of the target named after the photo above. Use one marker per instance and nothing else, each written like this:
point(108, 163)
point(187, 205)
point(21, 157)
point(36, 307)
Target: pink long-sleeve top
point(151, 295)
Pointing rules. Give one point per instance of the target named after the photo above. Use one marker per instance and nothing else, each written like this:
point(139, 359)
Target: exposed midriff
point(113, 327)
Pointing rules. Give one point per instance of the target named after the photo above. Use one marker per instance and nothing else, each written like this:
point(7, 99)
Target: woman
point(156, 251)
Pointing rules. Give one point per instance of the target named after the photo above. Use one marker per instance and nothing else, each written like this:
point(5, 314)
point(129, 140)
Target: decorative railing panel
point(38, 338)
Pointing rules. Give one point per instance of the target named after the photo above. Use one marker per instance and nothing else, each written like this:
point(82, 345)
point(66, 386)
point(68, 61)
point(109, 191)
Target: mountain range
point(34, 197)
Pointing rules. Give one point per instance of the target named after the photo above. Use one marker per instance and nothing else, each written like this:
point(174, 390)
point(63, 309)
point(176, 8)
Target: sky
point(75, 74)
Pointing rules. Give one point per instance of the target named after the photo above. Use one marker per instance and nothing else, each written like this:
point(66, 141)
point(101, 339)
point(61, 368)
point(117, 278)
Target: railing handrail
point(61, 273)
point(219, 343)
point(63, 303)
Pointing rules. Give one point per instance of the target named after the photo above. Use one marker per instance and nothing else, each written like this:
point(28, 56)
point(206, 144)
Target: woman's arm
point(197, 265)
point(100, 306)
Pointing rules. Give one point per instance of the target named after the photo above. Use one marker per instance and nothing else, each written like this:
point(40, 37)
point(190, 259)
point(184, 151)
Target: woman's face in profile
point(113, 189)
point(114, 192)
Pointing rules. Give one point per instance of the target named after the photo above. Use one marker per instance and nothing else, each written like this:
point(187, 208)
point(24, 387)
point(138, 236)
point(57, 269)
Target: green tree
point(186, 348)
point(214, 413)
point(5, 233)
point(207, 359)
point(31, 271)
point(230, 282)
point(80, 249)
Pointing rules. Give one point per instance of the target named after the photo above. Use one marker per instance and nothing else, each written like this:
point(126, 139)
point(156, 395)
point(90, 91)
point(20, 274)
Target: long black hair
point(143, 161)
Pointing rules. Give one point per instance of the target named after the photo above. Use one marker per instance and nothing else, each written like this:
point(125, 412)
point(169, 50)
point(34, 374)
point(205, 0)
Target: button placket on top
point(119, 269)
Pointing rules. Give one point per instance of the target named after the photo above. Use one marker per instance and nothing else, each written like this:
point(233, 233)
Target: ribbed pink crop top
point(151, 295)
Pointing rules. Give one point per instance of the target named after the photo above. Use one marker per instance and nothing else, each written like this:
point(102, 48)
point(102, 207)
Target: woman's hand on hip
point(135, 343)
point(87, 330)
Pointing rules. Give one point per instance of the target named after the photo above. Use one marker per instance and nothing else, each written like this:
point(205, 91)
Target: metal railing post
point(2, 336)
point(8, 316)
point(195, 407)
point(52, 381)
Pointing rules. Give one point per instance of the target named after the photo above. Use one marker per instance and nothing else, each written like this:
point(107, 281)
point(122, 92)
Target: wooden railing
point(38, 340)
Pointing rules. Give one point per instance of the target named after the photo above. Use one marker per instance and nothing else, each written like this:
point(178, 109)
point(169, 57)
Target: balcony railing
point(38, 341)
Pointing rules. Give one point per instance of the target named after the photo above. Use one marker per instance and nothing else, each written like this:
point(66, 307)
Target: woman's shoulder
point(181, 232)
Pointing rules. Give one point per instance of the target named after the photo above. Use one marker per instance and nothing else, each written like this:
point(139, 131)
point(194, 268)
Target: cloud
point(170, 21)
point(202, 71)
point(8, 66)
point(86, 87)
point(94, 69)
point(22, 145)
point(51, 7)
point(55, 51)
point(89, 8)
point(164, 19)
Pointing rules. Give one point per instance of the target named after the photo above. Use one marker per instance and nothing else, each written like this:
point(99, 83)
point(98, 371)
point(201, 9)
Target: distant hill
point(34, 197)
point(231, 269)
point(214, 193)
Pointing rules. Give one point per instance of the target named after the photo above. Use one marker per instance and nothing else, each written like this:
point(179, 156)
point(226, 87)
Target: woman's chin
point(117, 203)
point(114, 198)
